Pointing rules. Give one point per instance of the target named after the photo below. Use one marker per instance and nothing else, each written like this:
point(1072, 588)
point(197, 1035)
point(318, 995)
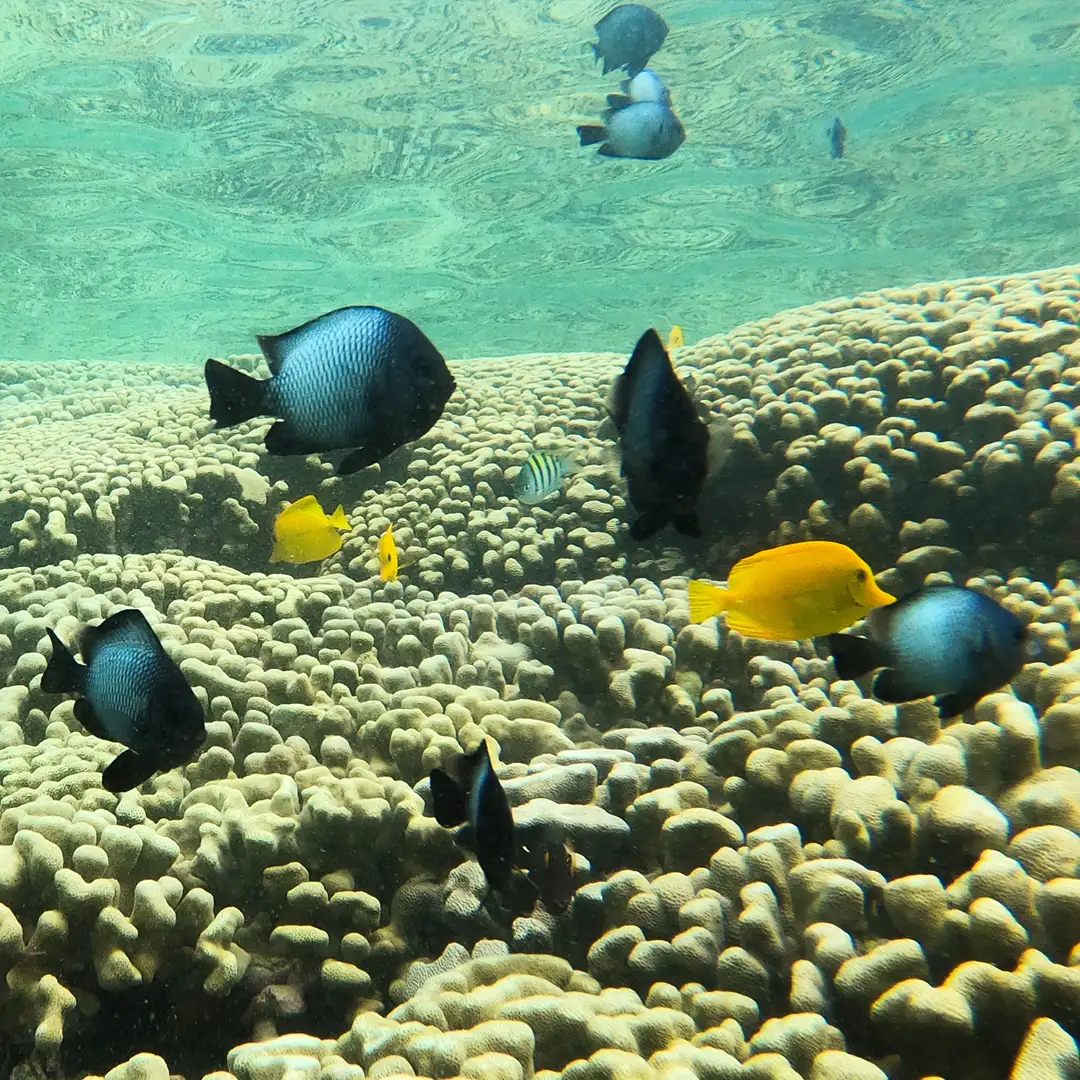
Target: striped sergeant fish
point(360, 378)
point(543, 474)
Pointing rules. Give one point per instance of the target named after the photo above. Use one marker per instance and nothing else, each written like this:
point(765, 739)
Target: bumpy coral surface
point(777, 876)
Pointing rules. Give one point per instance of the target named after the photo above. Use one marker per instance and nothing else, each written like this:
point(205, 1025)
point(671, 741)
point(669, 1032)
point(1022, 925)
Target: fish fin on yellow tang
point(706, 600)
point(338, 518)
point(739, 620)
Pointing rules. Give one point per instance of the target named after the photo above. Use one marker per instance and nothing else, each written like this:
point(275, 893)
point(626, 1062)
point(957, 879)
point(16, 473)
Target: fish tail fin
point(854, 656)
point(338, 518)
point(706, 600)
point(234, 396)
point(63, 674)
point(687, 522)
point(591, 134)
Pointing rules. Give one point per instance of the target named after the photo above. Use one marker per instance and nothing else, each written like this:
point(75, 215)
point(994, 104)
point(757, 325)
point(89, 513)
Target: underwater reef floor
point(777, 876)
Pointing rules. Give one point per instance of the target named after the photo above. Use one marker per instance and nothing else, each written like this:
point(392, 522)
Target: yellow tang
point(303, 533)
point(388, 556)
point(676, 340)
point(792, 592)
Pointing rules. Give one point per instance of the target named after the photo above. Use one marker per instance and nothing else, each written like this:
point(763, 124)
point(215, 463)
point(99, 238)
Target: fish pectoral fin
point(854, 656)
point(949, 705)
point(84, 713)
point(282, 441)
point(357, 460)
point(127, 771)
point(891, 686)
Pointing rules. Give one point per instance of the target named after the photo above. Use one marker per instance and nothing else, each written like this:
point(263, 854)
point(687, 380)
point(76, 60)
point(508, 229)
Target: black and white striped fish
point(359, 378)
point(131, 692)
point(543, 474)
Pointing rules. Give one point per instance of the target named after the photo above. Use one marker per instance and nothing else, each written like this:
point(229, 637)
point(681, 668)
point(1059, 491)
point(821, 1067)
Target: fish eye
point(860, 575)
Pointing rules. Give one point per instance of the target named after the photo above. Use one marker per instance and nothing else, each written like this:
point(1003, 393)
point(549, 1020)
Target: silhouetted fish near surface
point(359, 378)
point(628, 35)
point(644, 86)
point(475, 798)
point(647, 130)
point(663, 441)
point(943, 641)
point(131, 692)
point(837, 137)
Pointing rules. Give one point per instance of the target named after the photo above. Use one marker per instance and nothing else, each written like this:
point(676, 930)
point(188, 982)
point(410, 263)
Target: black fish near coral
point(664, 442)
point(837, 138)
point(360, 378)
point(475, 799)
point(951, 643)
point(131, 692)
point(647, 130)
point(628, 35)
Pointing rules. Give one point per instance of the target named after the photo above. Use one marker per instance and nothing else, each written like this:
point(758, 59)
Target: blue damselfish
point(131, 692)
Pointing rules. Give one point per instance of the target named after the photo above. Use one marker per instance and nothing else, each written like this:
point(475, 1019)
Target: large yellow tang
point(792, 592)
point(303, 533)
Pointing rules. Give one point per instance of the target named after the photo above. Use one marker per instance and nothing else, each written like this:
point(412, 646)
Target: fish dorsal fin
point(811, 554)
point(302, 507)
point(125, 627)
point(276, 347)
point(649, 349)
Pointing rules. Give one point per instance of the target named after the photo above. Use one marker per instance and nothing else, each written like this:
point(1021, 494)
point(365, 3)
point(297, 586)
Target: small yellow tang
point(792, 592)
point(676, 340)
point(303, 533)
point(388, 556)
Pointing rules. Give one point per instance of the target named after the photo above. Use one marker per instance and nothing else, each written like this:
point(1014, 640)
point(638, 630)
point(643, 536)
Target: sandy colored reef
point(778, 877)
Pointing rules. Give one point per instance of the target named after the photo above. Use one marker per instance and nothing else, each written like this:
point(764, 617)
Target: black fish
point(648, 130)
point(358, 377)
point(475, 799)
point(664, 442)
point(941, 640)
point(132, 693)
point(550, 869)
point(837, 137)
point(629, 34)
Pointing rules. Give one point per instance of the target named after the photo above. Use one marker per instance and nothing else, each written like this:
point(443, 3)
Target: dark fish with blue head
point(664, 443)
point(628, 35)
point(648, 130)
point(475, 799)
point(941, 641)
point(130, 692)
point(837, 137)
point(359, 378)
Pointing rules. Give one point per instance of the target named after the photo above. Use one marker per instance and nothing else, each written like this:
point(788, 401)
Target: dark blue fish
point(475, 798)
point(664, 442)
point(648, 130)
point(629, 35)
point(837, 137)
point(943, 641)
point(131, 693)
point(358, 377)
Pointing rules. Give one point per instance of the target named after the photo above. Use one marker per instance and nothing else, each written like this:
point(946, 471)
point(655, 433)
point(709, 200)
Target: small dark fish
point(131, 693)
point(837, 137)
point(629, 35)
point(644, 86)
point(475, 798)
point(647, 130)
point(550, 869)
point(358, 377)
point(664, 442)
point(943, 641)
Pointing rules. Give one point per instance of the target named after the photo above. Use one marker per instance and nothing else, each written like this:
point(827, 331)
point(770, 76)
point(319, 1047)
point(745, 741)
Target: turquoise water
point(179, 175)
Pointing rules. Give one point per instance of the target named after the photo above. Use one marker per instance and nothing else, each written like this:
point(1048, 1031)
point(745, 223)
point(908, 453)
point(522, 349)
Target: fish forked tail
point(591, 134)
point(234, 396)
point(63, 674)
point(706, 600)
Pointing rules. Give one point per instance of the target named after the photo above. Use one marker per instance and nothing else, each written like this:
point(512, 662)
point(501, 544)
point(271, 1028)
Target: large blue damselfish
point(359, 378)
point(943, 641)
point(664, 442)
point(628, 35)
point(131, 693)
point(648, 130)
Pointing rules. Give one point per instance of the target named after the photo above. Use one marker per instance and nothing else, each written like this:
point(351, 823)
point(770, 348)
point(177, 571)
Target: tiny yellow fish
point(303, 533)
point(676, 339)
point(388, 555)
point(792, 592)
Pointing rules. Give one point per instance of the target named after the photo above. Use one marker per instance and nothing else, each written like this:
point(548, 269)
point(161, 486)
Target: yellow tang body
point(676, 340)
point(792, 592)
point(388, 556)
point(303, 533)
